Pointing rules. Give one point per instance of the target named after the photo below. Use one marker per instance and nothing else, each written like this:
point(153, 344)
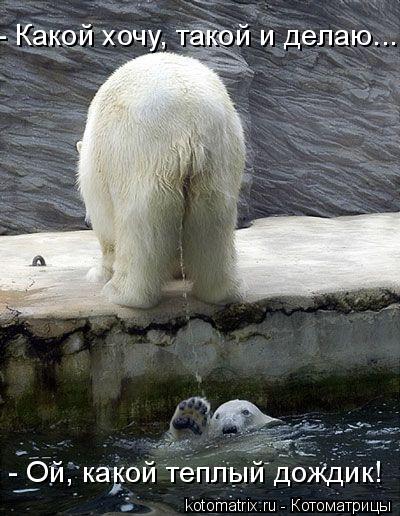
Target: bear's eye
point(246, 412)
point(216, 416)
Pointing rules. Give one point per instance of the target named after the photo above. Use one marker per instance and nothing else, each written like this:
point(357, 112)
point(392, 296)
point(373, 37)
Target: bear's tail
point(193, 158)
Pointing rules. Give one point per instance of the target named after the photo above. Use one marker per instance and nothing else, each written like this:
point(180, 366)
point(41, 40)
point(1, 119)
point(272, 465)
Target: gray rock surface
point(322, 124)
point(284, 263)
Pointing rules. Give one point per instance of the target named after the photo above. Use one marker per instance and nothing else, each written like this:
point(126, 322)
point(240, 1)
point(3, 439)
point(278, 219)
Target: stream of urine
point(191, 343)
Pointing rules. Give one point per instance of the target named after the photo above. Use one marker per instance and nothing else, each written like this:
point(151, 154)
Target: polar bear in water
point(192, 418)
point(160, 168)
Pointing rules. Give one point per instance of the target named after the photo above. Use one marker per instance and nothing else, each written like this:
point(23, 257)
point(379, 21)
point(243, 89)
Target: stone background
point(322, 124)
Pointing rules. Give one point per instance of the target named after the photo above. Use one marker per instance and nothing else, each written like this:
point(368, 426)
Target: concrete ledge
point(321, 309)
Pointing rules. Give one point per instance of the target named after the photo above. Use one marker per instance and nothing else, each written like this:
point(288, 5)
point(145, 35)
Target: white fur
point(161, 162)
point(240, 414)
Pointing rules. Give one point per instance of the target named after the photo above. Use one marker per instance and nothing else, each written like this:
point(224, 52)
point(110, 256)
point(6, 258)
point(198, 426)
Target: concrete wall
point(102, 377)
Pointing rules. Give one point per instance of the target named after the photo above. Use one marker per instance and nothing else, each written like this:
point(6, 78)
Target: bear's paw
point(128, 297)
point(99, 274)
point(192, 414)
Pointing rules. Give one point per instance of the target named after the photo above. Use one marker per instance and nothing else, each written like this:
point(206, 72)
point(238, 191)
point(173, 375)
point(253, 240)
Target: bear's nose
point(229, 429)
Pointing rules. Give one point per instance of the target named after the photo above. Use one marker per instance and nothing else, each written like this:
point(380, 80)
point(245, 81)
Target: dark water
point(357, 438)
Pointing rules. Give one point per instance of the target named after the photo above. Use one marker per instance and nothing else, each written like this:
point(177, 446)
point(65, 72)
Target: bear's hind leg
point(146, 245)
point(208, 246)
point(103, 271)
point(101, 212)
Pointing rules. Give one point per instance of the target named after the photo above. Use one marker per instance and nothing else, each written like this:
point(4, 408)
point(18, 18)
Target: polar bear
point(160, 168)
point(192, 418)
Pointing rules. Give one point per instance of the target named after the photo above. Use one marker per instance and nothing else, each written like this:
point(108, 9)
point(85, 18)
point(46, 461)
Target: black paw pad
point(196, 429)
point(181, 423)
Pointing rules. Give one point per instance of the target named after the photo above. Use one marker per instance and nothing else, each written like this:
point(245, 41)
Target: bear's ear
point(79, 146)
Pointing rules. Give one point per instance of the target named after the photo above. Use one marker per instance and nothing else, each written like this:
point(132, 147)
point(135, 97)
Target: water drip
point(197, 374)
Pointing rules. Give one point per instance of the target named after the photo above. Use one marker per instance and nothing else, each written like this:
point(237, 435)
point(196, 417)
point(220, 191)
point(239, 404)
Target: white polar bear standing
point(161, 163)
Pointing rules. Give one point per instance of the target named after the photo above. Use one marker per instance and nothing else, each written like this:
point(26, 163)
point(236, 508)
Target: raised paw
point(190, 415)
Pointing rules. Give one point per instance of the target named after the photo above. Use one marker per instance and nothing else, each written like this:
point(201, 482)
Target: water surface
point(357, 438)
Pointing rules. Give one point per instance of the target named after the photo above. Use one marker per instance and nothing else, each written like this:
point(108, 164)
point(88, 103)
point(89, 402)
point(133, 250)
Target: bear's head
point(239, 416)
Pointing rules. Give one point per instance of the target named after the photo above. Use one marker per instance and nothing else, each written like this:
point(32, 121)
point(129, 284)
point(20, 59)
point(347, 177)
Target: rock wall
point(99, 375)
point(322, 124)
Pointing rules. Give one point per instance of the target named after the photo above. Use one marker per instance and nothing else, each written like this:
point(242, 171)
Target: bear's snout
point(229, 429)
